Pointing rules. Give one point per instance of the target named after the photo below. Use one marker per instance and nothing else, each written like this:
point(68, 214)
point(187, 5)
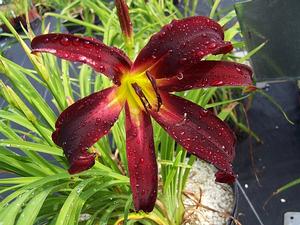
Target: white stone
point(216, 196)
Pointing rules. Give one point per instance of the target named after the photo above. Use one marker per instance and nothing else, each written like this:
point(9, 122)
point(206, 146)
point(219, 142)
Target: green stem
point(129, 45)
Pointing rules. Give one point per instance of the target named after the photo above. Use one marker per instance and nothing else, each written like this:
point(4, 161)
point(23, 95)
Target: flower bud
point(124, 19)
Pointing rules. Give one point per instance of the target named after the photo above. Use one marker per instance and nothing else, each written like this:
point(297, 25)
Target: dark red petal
point(83, 123)
point(207, 74)
point(199, 131)
point(179, 44)
point(124, 19)
point(108, 60)
point(141, 159)
point(223, 177)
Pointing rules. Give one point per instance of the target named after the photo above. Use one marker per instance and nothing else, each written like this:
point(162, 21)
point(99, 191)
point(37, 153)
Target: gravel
point(217, 200)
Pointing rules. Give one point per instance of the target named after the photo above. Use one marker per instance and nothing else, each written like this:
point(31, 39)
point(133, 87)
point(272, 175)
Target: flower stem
point(129, 45)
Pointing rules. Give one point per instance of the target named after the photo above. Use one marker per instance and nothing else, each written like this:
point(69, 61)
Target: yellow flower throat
point(127, 92)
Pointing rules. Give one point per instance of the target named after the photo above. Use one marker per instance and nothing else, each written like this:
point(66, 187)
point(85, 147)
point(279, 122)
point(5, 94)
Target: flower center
point(139, 91)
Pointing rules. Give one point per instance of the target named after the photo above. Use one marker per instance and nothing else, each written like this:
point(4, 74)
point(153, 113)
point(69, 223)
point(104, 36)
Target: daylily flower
point(171, 61)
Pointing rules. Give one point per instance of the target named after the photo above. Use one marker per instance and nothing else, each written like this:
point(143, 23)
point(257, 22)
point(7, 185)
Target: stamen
point(153, 82)
point(142, 96)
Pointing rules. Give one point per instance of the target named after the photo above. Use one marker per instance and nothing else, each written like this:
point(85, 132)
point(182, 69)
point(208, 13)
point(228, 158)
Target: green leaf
point(270, 98)
point(252, 52)
point(172, 172)
point(288, 185)
point(9, 213)
point(227, 18)
point(31, 146)
point(214, 8)
point(65, 215)
point(32, 209)
point(19, 180)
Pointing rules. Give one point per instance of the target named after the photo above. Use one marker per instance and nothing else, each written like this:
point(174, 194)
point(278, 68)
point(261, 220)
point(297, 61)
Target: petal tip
point(82, 163)
point(223, 177)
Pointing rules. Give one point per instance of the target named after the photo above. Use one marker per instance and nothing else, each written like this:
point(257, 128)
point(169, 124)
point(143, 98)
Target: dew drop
point(101, 68)
point(65, 41)
point(153, 56)
point(200, 53)
point(203, 112)
point(76, 42)
point(212, 45)
point(171, 25)
point(217, 83)
point(180, 76)
point(87, 44)
point(238, 69)
point(182, 60)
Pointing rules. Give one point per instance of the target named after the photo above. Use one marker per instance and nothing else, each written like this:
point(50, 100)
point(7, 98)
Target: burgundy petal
point(199, 131)
point(179, 44)
point(83, 123)
point(108, 60)
point(207, 74)
point(141, 159)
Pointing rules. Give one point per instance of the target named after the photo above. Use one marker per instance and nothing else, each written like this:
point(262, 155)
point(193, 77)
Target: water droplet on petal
point(200, 53)
point(87, 44)
point(180, 76)
point(212, 45)
point(203, 112)
point(101, 68)
point(183, 60)
point(238, 69)
point(76, 42)
point(217, 83)
point(65, 41)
